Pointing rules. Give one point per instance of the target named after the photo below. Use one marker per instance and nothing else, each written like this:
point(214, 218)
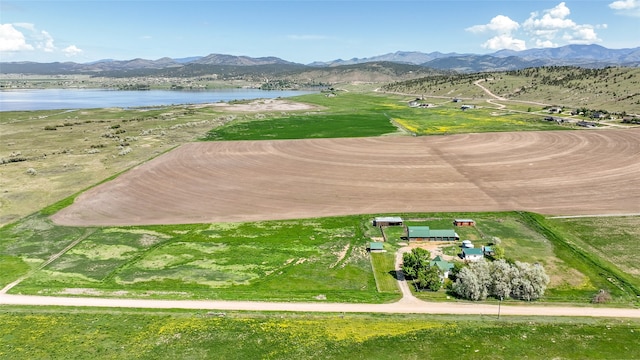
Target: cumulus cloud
point(626, 7)
point(504, 42)
point(12, 40)
point(500, 24)
point(71, 50)
point(503, 27)
point(554, 24)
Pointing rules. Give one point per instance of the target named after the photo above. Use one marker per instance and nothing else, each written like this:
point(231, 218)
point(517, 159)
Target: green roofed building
point(424, 233)
point(443, 265)
point(376, 247)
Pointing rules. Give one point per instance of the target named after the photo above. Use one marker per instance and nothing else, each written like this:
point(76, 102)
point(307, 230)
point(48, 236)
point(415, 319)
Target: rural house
point(443, 265)
point(472, 254)
point(387, 221)
point(424, 233)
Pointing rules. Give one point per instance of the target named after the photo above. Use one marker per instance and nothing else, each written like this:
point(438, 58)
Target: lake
point(51, 99)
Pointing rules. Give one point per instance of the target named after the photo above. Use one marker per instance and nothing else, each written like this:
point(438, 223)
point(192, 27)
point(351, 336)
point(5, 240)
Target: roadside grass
point(170, 334)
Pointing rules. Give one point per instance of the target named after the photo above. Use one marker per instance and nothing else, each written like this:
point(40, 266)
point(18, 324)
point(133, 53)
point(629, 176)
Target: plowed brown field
point(562, 173)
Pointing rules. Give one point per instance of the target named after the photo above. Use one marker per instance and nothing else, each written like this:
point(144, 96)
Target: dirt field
point(561, 173)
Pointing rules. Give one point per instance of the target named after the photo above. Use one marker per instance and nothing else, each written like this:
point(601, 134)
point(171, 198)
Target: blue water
point(51, 99)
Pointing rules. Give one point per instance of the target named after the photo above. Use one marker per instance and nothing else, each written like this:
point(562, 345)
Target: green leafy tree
point(415, 260)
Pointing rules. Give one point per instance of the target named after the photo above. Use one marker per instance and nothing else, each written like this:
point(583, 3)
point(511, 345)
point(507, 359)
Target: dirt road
point(402, 307)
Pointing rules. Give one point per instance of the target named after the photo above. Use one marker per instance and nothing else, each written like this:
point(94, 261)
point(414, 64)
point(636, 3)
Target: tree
point(498, 252)
point(467, 285)
point(531, 282)
point(473, 281)
point(413, 261)
point(503, 275)
point(429, 278)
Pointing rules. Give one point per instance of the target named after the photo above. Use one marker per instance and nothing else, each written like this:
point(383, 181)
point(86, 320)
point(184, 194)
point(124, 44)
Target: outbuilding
point(388, 221)
point(464, 222)
point(424, 233)
point(375, 246)
point(472, 254)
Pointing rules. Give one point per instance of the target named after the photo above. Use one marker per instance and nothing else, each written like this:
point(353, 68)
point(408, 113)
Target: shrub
point(601, 297)
point(50, 127)
point(32, 172)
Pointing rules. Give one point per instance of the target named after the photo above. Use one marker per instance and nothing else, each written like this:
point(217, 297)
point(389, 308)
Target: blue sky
point(304, 31)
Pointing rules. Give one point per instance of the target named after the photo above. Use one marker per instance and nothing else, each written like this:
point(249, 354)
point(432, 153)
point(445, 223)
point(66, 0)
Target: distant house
point(424, 233)
point(464, 222)
point(376, 247)
point(456, 100)
point(472, 254)
point(598, 115)
point(387, 221)
point(443, 265)
point(555, 110)
point(466, 107)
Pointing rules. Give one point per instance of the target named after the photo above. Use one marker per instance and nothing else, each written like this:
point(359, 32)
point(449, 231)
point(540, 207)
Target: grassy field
point(369, 114)
point(302, 260)
point(112, 334)
point(322, 259)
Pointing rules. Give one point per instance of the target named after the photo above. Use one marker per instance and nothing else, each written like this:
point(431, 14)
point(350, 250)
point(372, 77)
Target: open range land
point(594, 172)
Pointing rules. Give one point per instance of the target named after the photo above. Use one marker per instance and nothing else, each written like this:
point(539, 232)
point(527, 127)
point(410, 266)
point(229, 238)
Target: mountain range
point(592, 56)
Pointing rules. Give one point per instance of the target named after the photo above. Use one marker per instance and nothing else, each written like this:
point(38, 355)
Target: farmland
point(278, 208)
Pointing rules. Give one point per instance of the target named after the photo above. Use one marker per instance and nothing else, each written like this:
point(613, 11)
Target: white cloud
point(625, 5)
point(545, 44)
point(504, 42)
point(46, 42)
point(554, 25)
point(71, 50)
point(12, 40)
point(500, 24)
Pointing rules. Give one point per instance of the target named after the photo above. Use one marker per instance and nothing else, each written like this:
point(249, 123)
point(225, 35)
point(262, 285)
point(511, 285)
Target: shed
point(467, 244)
point(464, 222)
point(488, 251)
point(472, 254)
point(376, 247)
point(387, 221)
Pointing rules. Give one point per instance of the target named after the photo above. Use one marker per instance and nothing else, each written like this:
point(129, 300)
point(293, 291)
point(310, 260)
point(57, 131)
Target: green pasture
point(318, 259)
point(607, 240)
point(344, 115)
point(49, 333)
point(353, 114)
point(301, 260)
